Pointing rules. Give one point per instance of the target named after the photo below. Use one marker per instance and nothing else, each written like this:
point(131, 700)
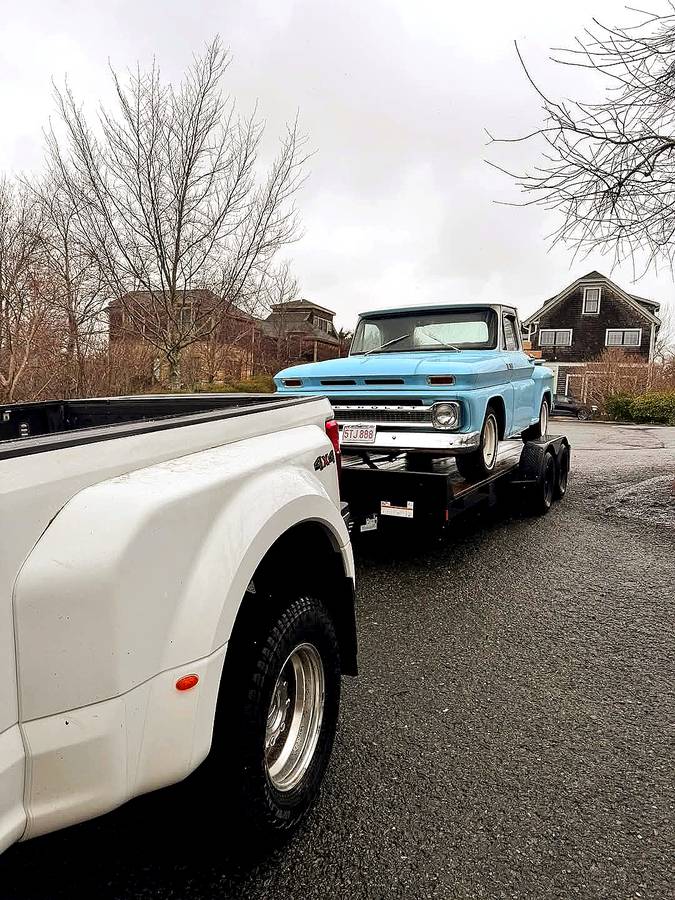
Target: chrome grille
point(394, 415)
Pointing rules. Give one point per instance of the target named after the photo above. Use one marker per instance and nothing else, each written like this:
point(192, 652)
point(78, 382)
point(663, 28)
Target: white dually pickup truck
point(176, 576)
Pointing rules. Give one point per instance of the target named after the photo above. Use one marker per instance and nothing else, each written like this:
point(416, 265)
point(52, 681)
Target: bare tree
point(277, 289)
point(169, 200)
point(75, 277)
point(26, 298)
point(609, 166)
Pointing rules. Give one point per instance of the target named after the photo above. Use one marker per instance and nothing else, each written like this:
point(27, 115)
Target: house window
point(591, 305)
point(323, 324)
point(555, 337)
point(623, 337)
point(186, 317)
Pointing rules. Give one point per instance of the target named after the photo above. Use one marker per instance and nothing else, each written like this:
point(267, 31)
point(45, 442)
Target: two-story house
point(588, 317)
point(230, 334)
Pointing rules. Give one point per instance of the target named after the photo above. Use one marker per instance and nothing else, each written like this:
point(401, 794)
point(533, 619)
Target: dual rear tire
point(277, 717)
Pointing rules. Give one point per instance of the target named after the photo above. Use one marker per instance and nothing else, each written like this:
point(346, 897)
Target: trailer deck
point(380, 486)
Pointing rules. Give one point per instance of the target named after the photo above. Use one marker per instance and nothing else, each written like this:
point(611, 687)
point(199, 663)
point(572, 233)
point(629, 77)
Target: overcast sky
point(395, 96)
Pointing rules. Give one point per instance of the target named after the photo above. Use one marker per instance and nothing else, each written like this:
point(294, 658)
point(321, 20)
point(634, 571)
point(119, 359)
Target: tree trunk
point(173, 361)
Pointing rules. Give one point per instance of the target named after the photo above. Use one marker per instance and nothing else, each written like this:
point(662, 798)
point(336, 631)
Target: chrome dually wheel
point(278, 708)
point(294, 718)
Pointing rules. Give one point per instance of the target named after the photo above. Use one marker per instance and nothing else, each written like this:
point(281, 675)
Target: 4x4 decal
point(324, 460)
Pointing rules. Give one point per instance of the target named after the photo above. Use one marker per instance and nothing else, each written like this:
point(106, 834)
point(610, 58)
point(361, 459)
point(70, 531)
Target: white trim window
point(591, 303)
point(532, 329)
point(555, 337)
point(623, 337)
point(323, 324)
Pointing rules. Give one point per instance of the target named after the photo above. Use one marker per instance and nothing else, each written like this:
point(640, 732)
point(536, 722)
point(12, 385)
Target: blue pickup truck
point(442, 380)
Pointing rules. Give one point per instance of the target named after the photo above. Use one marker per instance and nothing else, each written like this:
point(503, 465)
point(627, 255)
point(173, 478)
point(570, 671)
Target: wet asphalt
point(510, 735)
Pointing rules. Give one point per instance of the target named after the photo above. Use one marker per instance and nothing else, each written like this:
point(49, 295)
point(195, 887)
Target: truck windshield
point(445, 329)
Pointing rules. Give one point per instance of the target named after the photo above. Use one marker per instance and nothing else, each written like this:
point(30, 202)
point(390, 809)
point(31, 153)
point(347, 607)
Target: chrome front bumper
point(406, 439)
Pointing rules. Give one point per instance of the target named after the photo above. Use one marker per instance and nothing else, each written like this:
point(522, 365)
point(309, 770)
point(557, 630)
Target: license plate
point(398, 510)
point(358, 434)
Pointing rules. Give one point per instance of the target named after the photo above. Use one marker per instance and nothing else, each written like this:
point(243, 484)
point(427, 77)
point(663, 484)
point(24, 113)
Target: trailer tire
point(542, 491)
point(282, 681)
point(481, 462)
point(563, 472)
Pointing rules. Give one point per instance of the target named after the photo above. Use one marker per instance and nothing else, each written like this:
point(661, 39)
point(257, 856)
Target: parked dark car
point(566, 405)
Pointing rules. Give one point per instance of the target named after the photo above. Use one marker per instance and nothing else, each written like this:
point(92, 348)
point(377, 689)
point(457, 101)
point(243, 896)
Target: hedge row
point(258, 384)
point(654, 406)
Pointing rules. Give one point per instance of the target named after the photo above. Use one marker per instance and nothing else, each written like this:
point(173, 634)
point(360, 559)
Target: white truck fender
point(145, 572)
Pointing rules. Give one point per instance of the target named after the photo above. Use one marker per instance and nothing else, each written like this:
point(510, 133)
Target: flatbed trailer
point(531, 475)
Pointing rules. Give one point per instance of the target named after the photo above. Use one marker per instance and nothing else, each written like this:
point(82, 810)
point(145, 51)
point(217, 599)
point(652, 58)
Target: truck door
point(521, 368)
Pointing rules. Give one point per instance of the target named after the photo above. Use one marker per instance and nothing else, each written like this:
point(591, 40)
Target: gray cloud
point(394, 95)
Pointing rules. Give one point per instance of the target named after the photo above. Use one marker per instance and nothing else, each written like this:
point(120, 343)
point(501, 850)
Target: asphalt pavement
point(510, 734)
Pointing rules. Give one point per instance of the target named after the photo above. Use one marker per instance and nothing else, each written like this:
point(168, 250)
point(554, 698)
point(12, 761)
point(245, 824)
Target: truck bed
point(27, 428)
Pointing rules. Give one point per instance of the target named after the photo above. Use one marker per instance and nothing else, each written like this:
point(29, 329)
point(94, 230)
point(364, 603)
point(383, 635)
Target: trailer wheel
point(481, 462)
point(277, 719)
point(563, 473)
point(542, 492)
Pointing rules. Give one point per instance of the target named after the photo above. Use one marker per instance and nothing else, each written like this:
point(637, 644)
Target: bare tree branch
point(608, 167)
point(168, 199)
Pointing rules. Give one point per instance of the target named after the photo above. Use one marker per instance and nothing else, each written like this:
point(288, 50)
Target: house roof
point(192, 295)
point(274, 324)
point(653, 303)
point(302, 304)
point(299, 323)
point(647, 308)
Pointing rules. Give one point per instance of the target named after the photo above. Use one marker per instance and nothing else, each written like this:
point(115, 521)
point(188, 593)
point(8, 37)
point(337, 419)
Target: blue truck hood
point(414, 368)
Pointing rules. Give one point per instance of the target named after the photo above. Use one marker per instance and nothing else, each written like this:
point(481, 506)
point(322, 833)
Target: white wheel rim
point(490, 439)
point(543, 419)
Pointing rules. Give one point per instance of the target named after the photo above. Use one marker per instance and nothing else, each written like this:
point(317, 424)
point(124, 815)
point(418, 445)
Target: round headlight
point(445, 415)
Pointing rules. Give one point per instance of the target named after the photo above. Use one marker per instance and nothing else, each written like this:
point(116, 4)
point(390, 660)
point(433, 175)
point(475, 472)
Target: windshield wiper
point(387, 344)
point(443, 345)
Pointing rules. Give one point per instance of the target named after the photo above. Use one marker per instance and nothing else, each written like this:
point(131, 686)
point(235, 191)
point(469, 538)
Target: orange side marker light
point(186, 682)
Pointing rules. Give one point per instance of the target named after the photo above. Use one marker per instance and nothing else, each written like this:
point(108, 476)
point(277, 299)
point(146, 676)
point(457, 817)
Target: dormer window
point(591, 306)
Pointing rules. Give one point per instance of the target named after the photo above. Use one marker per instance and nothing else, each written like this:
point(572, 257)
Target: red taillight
point(186, 682)
point(333, 433)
